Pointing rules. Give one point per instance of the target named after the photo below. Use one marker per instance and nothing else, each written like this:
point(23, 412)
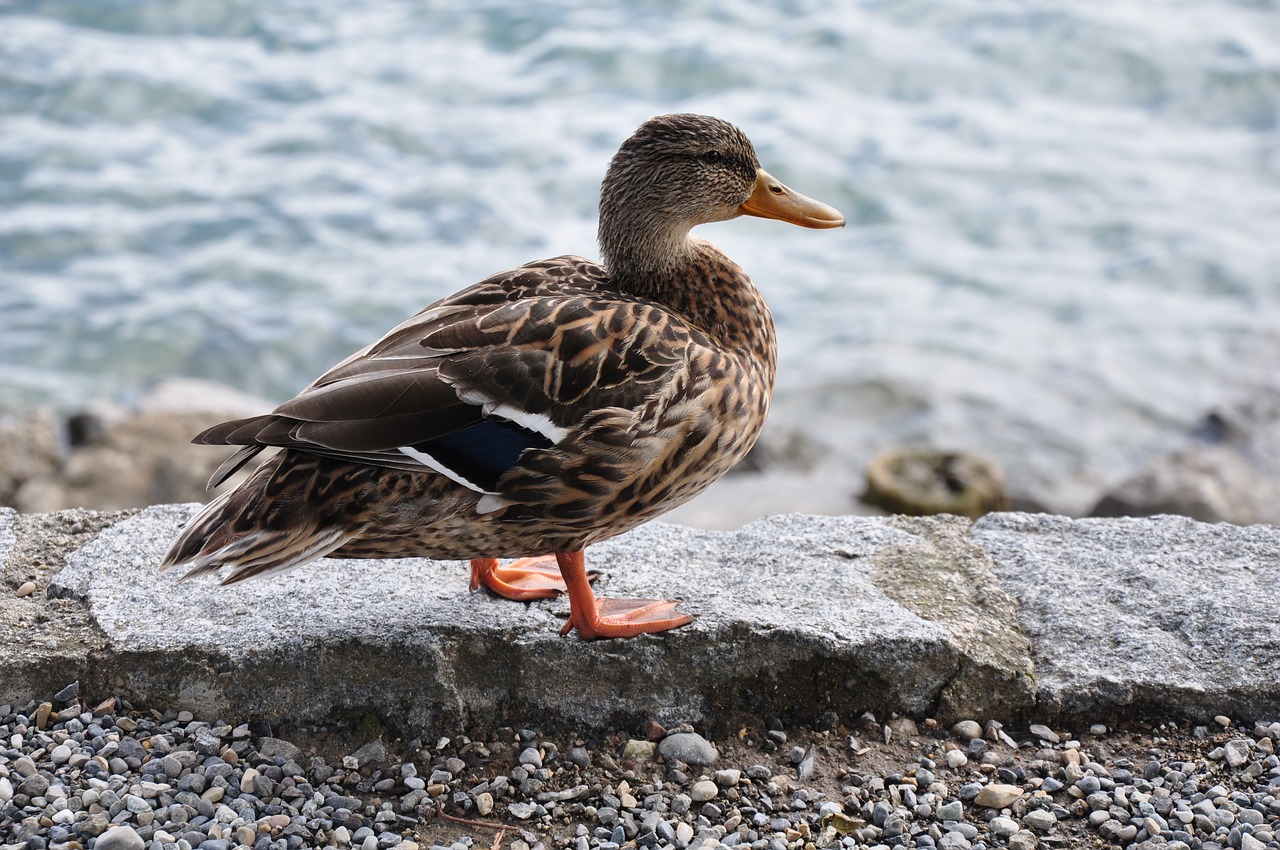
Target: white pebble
point(728, 777)
point(703, 791)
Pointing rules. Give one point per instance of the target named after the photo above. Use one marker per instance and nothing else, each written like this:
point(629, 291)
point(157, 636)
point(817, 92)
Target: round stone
point(703, 791)
point(1088, 784)
point(1003, 827)
point(956, 759)
point(967, 730)
point(1040, 820)
point(688, 747)
point(484, 803)
point(120, 837)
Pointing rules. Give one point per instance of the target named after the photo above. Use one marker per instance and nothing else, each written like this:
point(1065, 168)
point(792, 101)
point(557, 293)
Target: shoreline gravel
point(111, 776)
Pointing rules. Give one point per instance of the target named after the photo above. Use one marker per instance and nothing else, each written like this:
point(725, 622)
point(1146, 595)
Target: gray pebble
point(1237, 751)
point(119, 838)
point(1044, 733)
point(953, 810)
point(688, 747)
point(1040, 820)
point(953, 841)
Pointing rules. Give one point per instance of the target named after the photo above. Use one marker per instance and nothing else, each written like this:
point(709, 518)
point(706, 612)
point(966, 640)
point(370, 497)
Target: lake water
point(1064, 217)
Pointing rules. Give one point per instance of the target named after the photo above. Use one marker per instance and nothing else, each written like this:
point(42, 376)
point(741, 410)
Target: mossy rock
point(923, 482)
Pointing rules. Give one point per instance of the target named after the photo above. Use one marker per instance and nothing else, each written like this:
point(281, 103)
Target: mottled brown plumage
point(536, 412)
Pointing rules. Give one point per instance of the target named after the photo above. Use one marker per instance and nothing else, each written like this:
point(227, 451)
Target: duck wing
point(523, 360)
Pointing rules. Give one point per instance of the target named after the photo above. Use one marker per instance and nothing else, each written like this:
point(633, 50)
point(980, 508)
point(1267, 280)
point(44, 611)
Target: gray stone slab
point(1159, 617)
point(8, 537)
point(796, 616)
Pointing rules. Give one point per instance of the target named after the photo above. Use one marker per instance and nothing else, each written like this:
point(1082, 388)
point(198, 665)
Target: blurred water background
point(1064, 217)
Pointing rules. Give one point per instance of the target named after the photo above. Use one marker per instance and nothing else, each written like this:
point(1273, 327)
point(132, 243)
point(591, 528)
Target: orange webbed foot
point(523, 580)
point(622, 618)
point(594, 617)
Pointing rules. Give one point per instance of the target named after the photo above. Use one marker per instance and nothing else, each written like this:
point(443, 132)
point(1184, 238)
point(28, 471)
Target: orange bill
point(772, 199)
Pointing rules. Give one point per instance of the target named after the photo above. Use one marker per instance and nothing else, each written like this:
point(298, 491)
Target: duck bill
point(771, 199)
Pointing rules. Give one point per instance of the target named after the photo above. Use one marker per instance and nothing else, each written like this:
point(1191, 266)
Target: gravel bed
point(116, 777)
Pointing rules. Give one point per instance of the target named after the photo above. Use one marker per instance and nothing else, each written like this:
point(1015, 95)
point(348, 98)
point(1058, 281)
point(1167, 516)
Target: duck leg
point(597, 617)
point(523, 580)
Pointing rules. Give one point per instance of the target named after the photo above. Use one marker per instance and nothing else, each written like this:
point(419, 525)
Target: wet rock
point(923, 482)
point(1230, 472)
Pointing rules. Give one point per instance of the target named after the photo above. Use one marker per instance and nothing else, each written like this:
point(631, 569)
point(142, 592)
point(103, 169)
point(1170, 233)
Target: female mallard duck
point(538, 411)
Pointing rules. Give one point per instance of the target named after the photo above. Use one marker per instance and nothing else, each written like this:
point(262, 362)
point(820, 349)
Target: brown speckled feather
point(536, 412)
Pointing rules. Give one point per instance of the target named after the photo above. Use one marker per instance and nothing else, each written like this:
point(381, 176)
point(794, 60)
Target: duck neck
point(694, 279)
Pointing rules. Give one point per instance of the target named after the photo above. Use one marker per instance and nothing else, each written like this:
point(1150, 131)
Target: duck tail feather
point(229, 532)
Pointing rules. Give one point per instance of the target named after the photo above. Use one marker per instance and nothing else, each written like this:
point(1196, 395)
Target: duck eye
point(712, 157)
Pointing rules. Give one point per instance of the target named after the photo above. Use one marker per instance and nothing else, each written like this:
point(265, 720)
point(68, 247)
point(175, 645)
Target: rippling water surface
point(1064, 240)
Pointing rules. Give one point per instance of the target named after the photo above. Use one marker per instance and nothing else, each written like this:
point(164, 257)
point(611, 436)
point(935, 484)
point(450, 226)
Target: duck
point(534, 413)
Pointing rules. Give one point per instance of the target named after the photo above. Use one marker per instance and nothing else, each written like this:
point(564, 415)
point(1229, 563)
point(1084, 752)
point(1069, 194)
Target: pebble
point(26, 589)
point(1237, 751)
point(639, 750)
point(1044, 733)
point(703, 791)
point(688, 747)
point(1024, 840)
point(997, 795)
point(120, 838)
point(728, 778)
point(967, 730)
point(953, 810)
point(1041, 820)
point(115, 777)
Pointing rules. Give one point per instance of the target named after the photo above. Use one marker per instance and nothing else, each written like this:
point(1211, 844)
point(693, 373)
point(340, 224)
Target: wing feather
point(516, 362)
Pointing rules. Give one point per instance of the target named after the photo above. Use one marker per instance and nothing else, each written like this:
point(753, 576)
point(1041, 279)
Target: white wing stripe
point(431, 463)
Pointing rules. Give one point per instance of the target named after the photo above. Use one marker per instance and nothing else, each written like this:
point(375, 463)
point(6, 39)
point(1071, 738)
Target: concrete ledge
point(799, 616)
